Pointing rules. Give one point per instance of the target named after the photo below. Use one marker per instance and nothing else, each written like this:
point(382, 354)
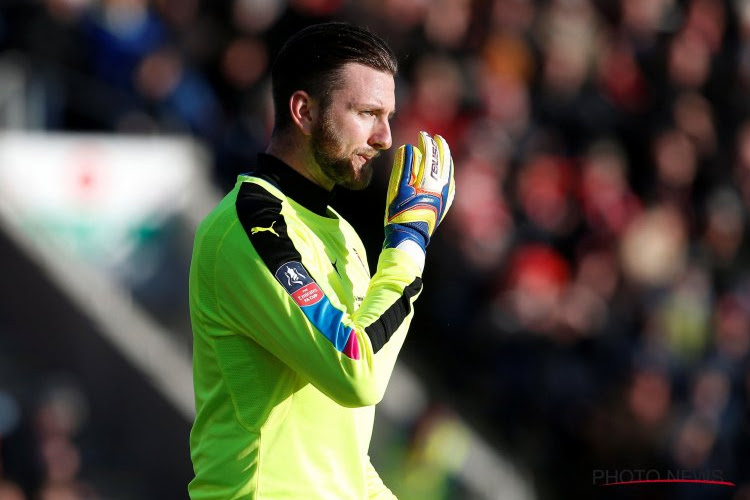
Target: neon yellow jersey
point(294, 343)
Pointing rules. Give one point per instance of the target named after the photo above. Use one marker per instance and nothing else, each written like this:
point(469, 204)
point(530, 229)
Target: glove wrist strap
point(408, 240)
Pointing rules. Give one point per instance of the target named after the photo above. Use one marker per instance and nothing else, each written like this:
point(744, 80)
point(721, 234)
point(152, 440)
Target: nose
point(381, 135)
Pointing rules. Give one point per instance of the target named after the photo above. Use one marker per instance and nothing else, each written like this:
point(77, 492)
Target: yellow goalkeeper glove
point(420, 192)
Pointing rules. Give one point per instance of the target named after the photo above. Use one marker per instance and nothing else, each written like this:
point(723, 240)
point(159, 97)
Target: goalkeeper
point(294, 341)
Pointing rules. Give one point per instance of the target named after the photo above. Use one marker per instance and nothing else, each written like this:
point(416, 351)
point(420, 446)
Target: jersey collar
point(293, 184)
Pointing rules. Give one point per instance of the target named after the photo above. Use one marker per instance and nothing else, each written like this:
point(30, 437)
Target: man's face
point(354, 128)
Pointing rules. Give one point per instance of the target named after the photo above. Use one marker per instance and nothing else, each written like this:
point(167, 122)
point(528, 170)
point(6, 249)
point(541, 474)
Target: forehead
point(362, 84)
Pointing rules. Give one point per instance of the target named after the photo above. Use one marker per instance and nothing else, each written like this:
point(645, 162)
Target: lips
point(368, 156)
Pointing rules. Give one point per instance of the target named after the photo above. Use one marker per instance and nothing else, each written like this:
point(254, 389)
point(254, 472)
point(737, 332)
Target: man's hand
point(420, 192)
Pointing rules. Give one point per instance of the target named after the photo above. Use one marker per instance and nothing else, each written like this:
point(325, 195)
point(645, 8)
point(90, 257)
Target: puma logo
point(259, 229)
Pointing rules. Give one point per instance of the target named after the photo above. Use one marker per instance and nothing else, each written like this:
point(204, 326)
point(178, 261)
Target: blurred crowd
point(588, 303)
point(44, 436)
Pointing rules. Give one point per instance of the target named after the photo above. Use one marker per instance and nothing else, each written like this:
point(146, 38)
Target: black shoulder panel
point(259, 213)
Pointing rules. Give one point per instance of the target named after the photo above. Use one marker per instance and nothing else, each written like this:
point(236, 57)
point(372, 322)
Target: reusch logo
point(435, 158)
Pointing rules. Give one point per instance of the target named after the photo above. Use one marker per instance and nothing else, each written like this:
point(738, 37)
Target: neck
point(297, 154)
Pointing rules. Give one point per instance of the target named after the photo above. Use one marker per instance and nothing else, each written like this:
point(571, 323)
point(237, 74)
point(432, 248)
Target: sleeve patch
point(300, 286)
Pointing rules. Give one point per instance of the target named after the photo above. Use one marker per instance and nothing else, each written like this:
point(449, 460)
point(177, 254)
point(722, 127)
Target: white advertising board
point(98, 196)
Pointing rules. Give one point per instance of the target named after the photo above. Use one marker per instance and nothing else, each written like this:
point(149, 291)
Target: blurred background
point(586, 312)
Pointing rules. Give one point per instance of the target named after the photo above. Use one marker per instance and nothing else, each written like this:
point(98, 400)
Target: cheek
point(361, 133)
point(348, 133)
point(350, 136)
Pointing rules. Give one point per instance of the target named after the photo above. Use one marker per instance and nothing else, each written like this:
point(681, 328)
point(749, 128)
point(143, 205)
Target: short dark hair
point(311, 59)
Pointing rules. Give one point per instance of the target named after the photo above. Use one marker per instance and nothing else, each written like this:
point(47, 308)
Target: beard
point(338, 166)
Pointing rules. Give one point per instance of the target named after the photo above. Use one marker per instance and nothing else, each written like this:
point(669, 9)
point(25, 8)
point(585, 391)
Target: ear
point(304, 111)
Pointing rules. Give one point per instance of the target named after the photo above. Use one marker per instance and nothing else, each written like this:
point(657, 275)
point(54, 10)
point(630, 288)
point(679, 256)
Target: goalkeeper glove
point(420, 192)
